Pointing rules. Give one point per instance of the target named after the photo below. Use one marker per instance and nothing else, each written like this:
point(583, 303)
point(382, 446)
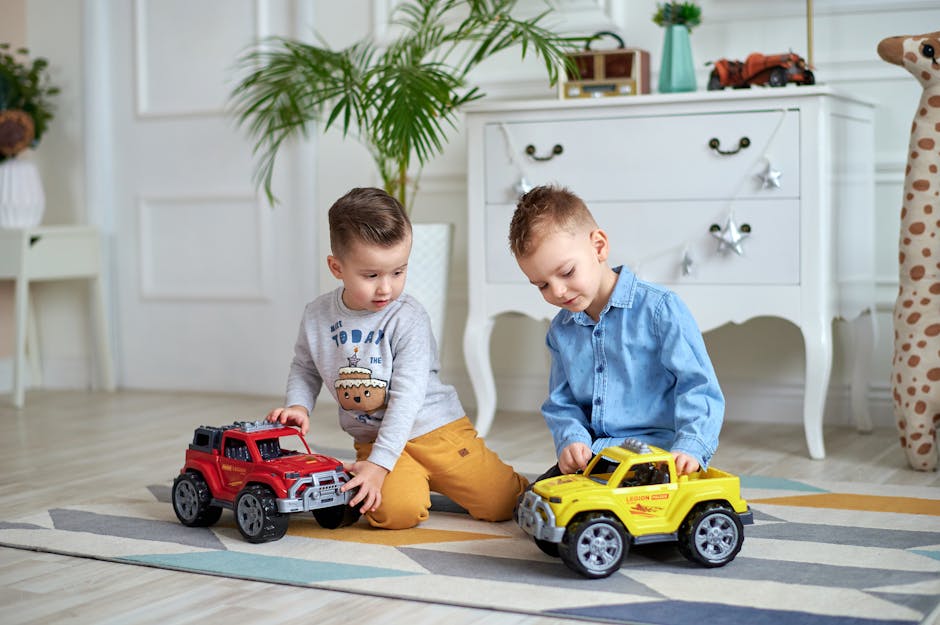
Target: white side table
point(53, 253)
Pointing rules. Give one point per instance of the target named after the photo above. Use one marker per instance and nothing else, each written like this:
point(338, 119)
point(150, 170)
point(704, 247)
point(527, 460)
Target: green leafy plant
point(400, 101)
point(687, 14)
point(25, 100)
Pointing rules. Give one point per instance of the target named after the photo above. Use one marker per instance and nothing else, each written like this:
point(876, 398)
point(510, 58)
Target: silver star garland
point(687, 263)
point(730, 237)
point(770, 177)
point(523, 186)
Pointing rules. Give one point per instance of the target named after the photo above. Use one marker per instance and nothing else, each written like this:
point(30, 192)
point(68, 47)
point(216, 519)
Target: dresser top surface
point(771, 96)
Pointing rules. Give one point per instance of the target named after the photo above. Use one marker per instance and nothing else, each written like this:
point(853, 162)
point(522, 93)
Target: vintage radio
point(602, 73)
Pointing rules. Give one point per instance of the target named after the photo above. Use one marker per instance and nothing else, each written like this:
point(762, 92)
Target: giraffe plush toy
point(915, 372)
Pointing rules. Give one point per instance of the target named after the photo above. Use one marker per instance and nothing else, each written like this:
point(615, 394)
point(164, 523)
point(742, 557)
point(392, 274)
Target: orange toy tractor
point(775, 70)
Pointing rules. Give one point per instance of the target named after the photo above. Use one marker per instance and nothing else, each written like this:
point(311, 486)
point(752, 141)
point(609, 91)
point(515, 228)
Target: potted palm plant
point(400, 101)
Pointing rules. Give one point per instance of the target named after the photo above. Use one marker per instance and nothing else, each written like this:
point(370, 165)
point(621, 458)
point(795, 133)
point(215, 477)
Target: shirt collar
point(621, 297)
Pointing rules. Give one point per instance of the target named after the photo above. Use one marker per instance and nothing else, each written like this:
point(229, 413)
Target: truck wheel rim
point(187, 502)
point(250, 515)
point(599, 548)
point(716, 537)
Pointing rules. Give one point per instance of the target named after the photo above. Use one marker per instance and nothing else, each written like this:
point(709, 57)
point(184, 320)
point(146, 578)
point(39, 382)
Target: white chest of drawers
point(661, 173)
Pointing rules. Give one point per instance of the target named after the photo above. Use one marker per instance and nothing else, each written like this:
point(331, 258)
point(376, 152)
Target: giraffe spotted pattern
point(915, 371)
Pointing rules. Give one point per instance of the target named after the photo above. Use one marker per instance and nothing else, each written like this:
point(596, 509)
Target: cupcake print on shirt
point(357, 391)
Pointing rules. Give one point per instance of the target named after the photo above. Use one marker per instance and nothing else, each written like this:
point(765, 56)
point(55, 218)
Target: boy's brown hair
point(542, 210)
point(367, 215)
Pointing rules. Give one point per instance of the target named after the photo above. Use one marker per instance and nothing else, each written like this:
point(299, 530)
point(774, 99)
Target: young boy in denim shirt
point(628, 359)
point(371, 345)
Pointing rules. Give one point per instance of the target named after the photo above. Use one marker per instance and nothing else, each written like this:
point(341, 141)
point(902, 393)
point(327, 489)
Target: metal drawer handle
point(745, 228)
point(715, 144)
point(530, 150)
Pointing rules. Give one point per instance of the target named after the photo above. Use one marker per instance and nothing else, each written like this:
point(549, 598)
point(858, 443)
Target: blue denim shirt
point(642, 371)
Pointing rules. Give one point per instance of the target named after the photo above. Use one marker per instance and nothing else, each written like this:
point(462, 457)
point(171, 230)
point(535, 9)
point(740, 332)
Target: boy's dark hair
point(367, 215)
point(545, 209)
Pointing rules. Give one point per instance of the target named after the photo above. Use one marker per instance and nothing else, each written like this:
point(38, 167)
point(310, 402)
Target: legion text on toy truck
point(262, 472)
point(630, 495)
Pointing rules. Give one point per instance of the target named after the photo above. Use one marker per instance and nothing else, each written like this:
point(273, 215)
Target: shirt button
point(600, 369)
point(597, 401)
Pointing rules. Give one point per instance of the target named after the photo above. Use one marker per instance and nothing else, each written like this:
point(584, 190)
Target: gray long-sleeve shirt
point(381, 367)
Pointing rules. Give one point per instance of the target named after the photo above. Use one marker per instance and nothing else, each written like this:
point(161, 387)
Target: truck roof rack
point(635, 445)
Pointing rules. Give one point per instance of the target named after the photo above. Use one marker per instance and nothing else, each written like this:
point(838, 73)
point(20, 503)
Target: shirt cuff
point(695, 448)
point(383, 457)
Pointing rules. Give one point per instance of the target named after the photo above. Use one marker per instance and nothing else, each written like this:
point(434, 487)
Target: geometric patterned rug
point(817, 554)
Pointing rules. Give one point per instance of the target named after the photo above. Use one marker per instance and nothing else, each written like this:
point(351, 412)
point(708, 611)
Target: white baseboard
point(61, 373)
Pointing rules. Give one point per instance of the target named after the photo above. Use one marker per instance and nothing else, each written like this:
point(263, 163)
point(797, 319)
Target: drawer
point(651, 237)
point(62, 253)
point(652, 157)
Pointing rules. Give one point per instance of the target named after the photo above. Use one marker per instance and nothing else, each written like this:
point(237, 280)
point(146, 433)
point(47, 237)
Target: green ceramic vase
point(677, 72)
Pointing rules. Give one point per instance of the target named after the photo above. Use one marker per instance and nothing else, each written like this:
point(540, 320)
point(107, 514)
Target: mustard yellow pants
point(451, 460)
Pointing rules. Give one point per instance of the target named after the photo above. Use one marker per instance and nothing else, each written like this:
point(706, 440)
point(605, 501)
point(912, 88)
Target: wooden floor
point(64, 447)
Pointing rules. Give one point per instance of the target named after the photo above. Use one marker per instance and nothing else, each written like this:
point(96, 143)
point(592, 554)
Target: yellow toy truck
point(630, 495)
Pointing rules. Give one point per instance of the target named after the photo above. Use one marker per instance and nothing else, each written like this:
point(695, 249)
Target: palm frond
point(401, 102)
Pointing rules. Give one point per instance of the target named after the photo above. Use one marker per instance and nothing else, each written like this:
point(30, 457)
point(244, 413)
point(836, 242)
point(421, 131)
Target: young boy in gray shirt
point(371, 345)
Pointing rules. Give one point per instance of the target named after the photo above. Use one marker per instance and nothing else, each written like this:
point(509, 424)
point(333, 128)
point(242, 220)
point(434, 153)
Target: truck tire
point(778, 77)
point(594, 545)
point(191, 501)
point(256, 515)
point(336, 516)
point(548, 548)
point(714, 81)
point(711, 535)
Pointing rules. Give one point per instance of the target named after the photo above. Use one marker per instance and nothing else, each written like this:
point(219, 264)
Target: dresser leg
point(476, 349)
point(865, 333)
point(817, 339)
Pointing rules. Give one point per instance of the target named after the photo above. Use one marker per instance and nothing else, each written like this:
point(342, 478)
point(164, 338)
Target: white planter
point(428, 268)
point(22, 201)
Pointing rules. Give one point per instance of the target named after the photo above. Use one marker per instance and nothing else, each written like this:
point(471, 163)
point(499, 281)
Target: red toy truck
point(775, 70)
point(262, 472)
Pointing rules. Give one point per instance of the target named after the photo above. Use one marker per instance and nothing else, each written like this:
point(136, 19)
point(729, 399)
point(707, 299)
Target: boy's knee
point(501, 503)
point(399, 514)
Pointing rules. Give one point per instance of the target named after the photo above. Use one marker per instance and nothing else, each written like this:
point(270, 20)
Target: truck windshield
point(603, 469)
point(289, 445)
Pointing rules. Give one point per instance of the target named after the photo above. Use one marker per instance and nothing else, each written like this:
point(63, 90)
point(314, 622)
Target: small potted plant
point(677, 72)
point(687, 14)
point(400, 101)
point(25, 112)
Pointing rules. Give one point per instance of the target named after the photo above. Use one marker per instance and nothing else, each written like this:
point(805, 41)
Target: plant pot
point(677, 72)
point(22, 201)
point(428, 272)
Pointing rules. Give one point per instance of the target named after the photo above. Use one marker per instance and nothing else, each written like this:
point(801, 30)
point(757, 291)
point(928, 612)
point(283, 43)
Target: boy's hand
point(685, 463)
point(291, 415)
point(368, 478)
point(574, 458)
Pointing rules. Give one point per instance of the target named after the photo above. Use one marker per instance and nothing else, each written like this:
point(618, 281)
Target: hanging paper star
point(523, 186)
point(687, 263)
point(770, 177)
point(731, 236)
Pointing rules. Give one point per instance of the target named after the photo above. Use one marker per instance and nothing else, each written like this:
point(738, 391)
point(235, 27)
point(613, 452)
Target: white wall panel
point(181, 70)
point(184, 253)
